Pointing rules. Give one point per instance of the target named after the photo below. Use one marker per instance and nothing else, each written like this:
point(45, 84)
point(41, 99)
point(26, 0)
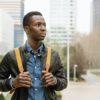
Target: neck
point(34, 44)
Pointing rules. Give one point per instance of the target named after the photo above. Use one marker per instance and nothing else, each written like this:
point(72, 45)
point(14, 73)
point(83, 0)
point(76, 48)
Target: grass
point(96, 73)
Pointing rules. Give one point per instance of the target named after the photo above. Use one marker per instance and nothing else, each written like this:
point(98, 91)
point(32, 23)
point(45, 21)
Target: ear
point(26, 28)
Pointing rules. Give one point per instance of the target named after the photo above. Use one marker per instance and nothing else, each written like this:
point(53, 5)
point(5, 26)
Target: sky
point(39, 6)
point(84, 15)
point(83, 12)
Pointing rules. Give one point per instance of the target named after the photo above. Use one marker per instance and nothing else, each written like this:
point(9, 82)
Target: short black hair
point(27, 17)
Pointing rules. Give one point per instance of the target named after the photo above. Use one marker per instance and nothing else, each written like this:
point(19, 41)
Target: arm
point(4, 74)
point(60, 75)
point(6, 83)
point(56, 77)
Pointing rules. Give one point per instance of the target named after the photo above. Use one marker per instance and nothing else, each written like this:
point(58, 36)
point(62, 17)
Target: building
point(15, 9)
point(6, 32)
point(62, 20)
point(96, 14)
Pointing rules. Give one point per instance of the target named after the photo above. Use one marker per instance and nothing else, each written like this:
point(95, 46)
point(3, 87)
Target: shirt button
point(34, 56)
point(35, 78)
point(35, 67)
point(36, 89)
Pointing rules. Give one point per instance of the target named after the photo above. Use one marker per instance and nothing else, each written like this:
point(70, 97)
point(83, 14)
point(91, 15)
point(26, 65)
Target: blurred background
point(73, 29)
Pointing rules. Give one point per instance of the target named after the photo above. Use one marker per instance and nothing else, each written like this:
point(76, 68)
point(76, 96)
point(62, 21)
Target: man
point(34, 83)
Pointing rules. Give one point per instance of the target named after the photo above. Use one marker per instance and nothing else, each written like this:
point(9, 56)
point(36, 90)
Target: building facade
point(96, 14)
point(15, 9)
point(6, 32)
point(62, 20)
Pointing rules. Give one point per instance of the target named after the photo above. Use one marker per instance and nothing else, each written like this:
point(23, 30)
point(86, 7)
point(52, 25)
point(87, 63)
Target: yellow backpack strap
point(48, 60)
point(19, 60)
point(19, 63)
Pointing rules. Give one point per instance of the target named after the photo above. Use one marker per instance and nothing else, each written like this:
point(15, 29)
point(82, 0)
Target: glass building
point(6, 32)
point(96, 14)
point(15, 9)
point(62, 20)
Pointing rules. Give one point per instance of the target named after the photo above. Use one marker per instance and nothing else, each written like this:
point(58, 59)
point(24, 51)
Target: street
point(88, 90)
point(81, 91)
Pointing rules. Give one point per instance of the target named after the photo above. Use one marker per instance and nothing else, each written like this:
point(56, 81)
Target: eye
point(44, 24)
point(38, 24)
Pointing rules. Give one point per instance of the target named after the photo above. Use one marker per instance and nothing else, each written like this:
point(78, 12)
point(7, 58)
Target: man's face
point(36, 30)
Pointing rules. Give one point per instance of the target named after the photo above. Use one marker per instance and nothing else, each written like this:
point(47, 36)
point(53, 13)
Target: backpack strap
point(48, 60)
point(19, 63)
point(19, 60)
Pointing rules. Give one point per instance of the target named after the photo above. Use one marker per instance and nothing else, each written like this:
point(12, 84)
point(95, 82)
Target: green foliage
point(62, 50)
point(1, 57)
point(2, 97)
point(58, 93)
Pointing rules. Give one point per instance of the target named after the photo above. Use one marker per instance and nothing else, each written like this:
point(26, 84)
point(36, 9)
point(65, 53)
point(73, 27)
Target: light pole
point(74, 76)
point(68, 59)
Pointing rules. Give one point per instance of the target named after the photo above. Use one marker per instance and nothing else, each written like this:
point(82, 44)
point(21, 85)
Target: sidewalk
point(91, 78)
point(88, 90)
point(81, 91)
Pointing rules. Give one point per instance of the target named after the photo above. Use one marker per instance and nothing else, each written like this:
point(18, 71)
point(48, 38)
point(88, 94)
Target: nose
point(43, 28)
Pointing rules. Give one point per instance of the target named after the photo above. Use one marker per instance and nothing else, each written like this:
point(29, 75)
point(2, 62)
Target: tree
point(1, 57)
point(77, 57)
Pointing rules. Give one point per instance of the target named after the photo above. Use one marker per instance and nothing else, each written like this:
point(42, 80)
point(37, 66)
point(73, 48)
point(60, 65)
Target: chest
point(34, 66)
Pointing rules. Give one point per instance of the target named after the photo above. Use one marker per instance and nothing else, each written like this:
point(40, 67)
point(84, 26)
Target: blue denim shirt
point(34, 66)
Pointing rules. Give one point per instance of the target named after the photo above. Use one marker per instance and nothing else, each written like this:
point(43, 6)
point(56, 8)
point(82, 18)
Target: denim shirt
point(34, 66)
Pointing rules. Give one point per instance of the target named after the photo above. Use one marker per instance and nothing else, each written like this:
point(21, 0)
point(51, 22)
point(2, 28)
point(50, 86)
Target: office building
point(96, 14)
point(62, 20)
point(15, 9)
point(6, 32)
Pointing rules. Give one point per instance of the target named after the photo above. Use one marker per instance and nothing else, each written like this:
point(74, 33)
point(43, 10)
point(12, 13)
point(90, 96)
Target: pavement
point(87, 90)
point(91, 78)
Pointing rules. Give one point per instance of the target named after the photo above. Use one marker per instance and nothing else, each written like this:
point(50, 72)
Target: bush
point(2, 97)
point(59, 95)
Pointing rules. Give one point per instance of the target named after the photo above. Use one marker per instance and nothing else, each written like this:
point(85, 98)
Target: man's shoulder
point(12, 51)
point(54, 52)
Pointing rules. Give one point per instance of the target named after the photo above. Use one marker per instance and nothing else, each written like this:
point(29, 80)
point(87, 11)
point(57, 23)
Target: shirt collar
point(38, 51)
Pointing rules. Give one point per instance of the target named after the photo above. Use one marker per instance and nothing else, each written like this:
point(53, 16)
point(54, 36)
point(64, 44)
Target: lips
point(42, 37)
point(43, 34)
